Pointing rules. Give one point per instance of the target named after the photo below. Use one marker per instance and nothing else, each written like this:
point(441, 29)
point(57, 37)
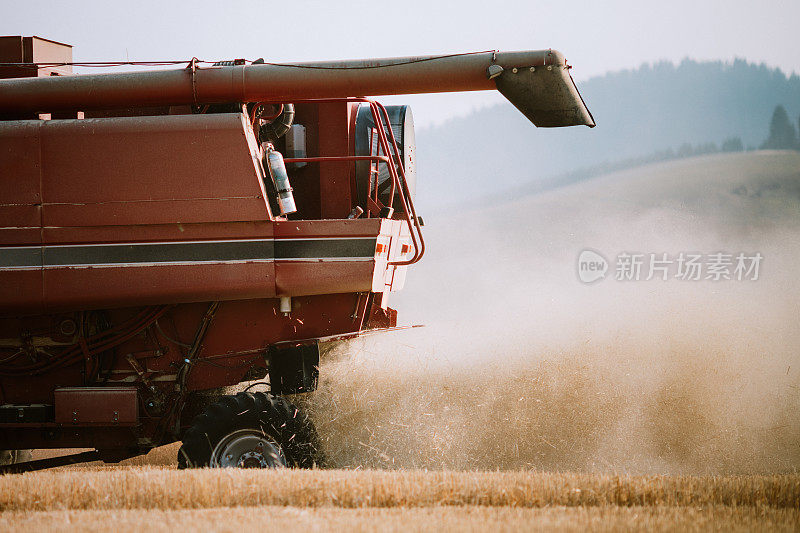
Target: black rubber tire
point(12, 457)
point(275, 416)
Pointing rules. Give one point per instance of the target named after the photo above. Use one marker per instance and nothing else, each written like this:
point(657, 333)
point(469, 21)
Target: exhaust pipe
point(538, 83)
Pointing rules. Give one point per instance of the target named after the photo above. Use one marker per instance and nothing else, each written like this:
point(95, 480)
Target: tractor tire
point(250, 430)
point(12, 457)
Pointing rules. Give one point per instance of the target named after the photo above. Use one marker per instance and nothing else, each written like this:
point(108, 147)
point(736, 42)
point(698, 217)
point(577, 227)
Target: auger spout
point(538, 83)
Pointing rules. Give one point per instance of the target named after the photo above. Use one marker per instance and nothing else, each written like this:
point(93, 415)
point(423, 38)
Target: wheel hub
point(247, 448)
point(252, 460)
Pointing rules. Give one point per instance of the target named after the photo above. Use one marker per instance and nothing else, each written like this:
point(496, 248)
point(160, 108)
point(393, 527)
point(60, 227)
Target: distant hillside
point(638, 112)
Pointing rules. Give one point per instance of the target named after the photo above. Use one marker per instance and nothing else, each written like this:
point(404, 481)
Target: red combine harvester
point(167, 234)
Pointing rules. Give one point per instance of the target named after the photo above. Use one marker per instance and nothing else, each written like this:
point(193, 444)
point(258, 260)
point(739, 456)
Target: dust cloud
point(522, 366)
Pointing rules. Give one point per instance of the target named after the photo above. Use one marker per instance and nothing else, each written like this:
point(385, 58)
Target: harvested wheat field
point(414, 519)
point(102, 499)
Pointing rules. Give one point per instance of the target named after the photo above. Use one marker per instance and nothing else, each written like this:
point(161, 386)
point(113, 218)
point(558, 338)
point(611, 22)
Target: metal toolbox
point(96, 405)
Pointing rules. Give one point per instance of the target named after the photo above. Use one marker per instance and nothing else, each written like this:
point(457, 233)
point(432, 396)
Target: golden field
point(411, 519)
point(169, 489)
point(154, 498)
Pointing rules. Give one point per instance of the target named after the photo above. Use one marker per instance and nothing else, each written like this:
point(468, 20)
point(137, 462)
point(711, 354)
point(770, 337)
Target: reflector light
point(379, 248)
point(405, 248)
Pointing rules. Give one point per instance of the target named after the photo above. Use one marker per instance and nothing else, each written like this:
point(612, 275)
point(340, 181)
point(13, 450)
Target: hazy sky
point(596, 37)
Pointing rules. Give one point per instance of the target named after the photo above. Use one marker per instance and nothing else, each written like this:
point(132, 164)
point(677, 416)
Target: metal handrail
point(405, 197)
point(322, 159)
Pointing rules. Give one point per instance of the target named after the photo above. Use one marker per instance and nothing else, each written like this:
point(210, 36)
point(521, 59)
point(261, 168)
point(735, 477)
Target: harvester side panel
point(88, 194)
point(151, 170)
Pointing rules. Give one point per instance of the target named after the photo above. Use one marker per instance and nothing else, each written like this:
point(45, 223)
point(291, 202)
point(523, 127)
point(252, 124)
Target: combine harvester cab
point(167, 234)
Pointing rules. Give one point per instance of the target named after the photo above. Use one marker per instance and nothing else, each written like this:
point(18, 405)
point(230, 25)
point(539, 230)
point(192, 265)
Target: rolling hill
point(638, 112)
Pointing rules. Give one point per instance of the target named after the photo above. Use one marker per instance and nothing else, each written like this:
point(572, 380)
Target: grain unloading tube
point(538, 83)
